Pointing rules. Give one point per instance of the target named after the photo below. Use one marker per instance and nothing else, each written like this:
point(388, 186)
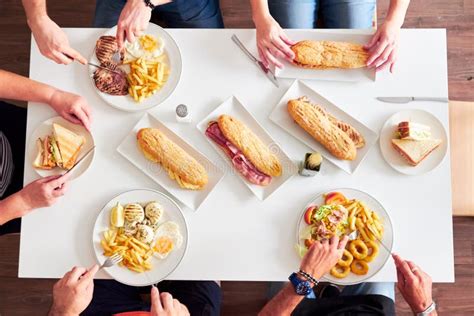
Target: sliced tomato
point(335, 198)
point(308, 215)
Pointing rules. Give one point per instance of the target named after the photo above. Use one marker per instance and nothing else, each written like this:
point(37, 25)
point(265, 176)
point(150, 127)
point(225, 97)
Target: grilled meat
point(111, 82)
point(105, 48)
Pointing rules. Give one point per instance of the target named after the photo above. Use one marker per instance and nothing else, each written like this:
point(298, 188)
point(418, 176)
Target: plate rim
point(300, 218)
point(382, 150)
point(330, 159)
point(185, 225)
point(202, 123)
point(216, 167)
point(138, 108)
point(35, 131)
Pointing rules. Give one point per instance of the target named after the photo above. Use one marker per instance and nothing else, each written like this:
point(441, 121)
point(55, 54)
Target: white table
point(234, 236)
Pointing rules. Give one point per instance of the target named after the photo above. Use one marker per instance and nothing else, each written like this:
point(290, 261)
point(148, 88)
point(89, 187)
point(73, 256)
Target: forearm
point(283, 303)
point(16, 87)
point(34, 10)
point(259, 9)
point(396, 11)
point(13, 207)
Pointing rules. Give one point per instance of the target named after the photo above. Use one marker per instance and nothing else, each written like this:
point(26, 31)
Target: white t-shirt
point(6, 164)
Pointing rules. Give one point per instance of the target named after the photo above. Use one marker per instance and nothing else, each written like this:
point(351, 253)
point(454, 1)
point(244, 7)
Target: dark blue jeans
point(177, 14)
point(202, 298)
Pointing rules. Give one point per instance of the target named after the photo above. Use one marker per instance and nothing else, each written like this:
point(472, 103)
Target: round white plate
point(46, 128)
point(395, 160)
point(173, 60)
point(377, 264)
point(161, 268)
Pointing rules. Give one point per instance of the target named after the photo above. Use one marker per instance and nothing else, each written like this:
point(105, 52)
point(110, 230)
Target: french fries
point(146, 77)
point(136, 254)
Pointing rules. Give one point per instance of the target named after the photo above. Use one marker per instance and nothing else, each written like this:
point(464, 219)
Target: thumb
point(372, 41)
point(89, 275)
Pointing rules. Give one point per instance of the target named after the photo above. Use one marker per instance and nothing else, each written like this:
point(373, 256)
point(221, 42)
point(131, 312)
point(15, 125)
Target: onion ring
point(358, 249)
point(346, 259)
point(359, 267)
point(373, 251)
point(339, 271)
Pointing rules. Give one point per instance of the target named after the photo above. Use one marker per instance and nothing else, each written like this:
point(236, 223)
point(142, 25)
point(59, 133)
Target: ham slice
point(240, 162)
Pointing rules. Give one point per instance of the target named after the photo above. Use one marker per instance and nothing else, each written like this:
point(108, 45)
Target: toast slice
point(415, 151)
point(69, 144)
point(251, 146)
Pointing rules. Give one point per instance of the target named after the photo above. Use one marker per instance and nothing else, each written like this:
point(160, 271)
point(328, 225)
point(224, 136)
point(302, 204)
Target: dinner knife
point(270, 75)
point(105, 68)
point(410, 99)
point(81, 159)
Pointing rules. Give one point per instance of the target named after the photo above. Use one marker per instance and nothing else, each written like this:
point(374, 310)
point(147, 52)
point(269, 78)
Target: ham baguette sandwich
point(181, 166)
point(249, 155)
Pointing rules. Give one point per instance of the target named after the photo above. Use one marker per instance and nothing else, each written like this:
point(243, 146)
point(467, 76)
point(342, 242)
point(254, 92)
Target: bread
point(414, 151)
point(315, 121)
point(181, 166)
point(250, 145)
point(329, 54)
point(69, 144)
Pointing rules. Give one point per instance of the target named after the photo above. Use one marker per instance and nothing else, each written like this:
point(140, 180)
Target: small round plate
point(46, 128)
point(395, 160)
point(377, 264)
point(161, 268)
point(173, 60)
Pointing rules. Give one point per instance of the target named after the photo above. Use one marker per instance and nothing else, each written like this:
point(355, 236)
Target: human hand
point(414, 284)
point(52, 41)
point(272, 43)
point(323, 255)
point(383, 47)
point(72, 107)
point(164, 305)
point(43, 192)
point(134, 20)
point(73, 293)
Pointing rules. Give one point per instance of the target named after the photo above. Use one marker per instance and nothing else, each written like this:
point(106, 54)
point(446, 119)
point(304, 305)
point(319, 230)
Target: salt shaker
point(182, 114)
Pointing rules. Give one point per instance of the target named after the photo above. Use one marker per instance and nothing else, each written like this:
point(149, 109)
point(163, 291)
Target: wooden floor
point(32, 297)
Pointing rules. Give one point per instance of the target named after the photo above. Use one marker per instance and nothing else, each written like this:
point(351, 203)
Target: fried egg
point(145, 46)
point(168, 238)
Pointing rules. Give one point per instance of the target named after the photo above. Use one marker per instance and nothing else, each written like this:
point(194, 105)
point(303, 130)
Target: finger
point(58, 182)
point(75, 55)
point(343, 242)
point(155, 298)
point(130, 36)
point(167, 300)
point(82, 116)
point(415, 269)
point(47, 179)
point(72, 118)
point(58, 192)
point(76, 274)
point(383, 58)
point(372, 41)
point(376, 51)
point(284, 49)
point(176, 304)
point(400, 279)
point(287, 40)
point(392, 67)
point(271, 59)
point(89, 274)
point(275, 51)
point(334, 242)
point(263, 58)
point(405, 270)
point(53, 57)
point(63, 59)
point(120, 35)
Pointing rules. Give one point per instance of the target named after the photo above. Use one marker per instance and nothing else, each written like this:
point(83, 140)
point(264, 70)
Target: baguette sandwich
point(58, 150)
point(414, 151)
point(329, 54)
point(249, 155)
point(181, 166)
point(339, 138)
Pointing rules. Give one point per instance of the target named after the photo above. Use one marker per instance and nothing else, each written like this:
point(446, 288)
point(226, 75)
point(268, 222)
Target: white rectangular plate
point(192, 199)
point(353, 36)
point(282, 118)
point(233, 107)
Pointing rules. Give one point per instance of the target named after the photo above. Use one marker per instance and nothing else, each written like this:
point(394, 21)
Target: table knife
point(105, 68)
point(270, 75)
point(81, 159)
point(410, 99)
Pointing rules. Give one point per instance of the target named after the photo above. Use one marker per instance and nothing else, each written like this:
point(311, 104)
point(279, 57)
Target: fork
point(112, 260)
point(355, 234)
